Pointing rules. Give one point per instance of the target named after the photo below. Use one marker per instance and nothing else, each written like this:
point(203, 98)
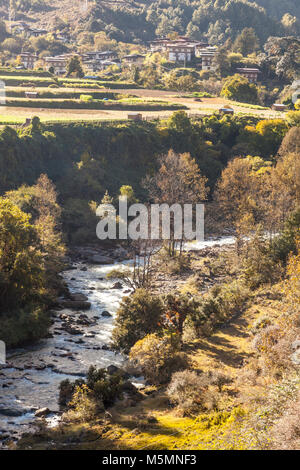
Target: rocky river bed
point(79, 338)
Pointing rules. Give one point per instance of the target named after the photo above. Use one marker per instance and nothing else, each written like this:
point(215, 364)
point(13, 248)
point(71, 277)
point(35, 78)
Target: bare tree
point(178, 181)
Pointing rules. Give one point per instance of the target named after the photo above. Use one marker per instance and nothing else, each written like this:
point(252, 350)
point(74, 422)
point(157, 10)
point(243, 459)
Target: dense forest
point(85, 160)
point(140, 21)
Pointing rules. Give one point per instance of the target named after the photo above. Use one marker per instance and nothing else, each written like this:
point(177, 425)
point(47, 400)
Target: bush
point(259, 265)
point(83, 406)
point(158, 357)
point(174, 264)
point(92, 104)
point(86, 98)
point(137, 316)
point(286, 432)
point(240, 89)
point(220, 304)
point(188, 390)
point(105, 387)
point(23, 327)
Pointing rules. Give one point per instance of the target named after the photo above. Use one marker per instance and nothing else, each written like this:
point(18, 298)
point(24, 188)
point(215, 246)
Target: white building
point(180, 51)
point(28, 59)
point(57, 63)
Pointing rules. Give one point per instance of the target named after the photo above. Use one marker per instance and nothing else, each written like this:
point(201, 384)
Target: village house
point(184, 49)
point(58, 63)
point(36, 33)
point(162, 44)
point(61, 37)
point(251, 74)
point(159, 45)
point(180, 51)
point(279, 107)
point(133, 60)
point(98, 56)
point(31, 94)
point(207, 55)
point(20, 27)
point(96, 66)
point(28, 59)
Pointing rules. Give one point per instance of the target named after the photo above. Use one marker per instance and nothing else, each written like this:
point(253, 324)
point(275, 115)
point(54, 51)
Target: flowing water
point(32, 375)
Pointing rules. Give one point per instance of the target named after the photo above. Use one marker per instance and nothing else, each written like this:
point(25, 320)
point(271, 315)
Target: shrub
point(293, 118)
point(221, 303)
point(260, 323)
point(23, 326)
point(240, 89)
point(258, 264)
point(286, 432)
point(137, 316)
point(83, 406)
point(174, 264)
point(158, 357)
point(99, 391)
point(105, 387)
point(218, 379)
point(187, 390)
point(86, 98)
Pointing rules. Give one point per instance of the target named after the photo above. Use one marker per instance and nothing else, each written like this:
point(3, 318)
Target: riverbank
point(152, 424)
point(79, 336)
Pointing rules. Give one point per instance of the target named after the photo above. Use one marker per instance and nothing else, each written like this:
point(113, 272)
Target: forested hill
point(141, 20)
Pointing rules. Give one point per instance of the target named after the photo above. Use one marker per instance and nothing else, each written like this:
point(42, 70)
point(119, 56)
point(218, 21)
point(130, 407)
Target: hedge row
point(23, 80)
point(105, 84)
point(24, 72)
point(60, 93)
point(27, 81)
point(97, 104)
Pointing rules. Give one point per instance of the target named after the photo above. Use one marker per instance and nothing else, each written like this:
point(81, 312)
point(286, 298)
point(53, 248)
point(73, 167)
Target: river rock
point(296, 345)
point(78, 297)
point(75, 304)
point(105, 313)
point(120, 252)
point(72, 331)
point(11, 412)
point(112, 369)
point(117, 285)
point(98, 259)
point(42, 412)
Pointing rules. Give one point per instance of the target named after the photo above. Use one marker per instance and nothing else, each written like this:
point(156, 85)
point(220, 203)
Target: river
point(32, 375)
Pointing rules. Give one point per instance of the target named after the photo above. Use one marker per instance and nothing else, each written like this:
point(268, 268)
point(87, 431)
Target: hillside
point(139, 21)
